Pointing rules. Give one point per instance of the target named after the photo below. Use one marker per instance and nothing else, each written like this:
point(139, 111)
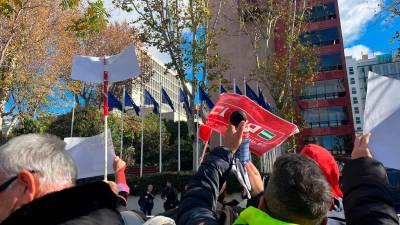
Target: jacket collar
point(65, 205)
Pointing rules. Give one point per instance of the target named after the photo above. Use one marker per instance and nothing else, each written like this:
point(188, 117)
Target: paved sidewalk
point(159, 204)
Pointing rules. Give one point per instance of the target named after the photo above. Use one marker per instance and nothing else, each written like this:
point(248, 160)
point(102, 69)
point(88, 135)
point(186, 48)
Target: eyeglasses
point(6, 184)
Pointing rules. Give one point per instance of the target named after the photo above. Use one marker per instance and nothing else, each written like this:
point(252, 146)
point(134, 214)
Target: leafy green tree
point(33, 61)
point(186, 147)
point(89, 122)
point(293, 66)
point(170, 24)
point(393, 8)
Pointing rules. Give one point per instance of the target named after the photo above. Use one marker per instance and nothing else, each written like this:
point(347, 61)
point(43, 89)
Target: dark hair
point(297, 191)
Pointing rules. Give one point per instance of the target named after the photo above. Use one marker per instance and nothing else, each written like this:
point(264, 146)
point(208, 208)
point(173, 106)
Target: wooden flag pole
point(73, 118)
point(204, 153)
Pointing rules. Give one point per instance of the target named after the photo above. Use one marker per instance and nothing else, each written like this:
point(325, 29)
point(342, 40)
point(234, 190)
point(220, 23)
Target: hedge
point(179, 180)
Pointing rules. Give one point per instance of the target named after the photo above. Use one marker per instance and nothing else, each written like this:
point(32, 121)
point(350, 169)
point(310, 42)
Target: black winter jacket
point(199, 202)
point(89, 204)
point(367, 199)
point(171, 196)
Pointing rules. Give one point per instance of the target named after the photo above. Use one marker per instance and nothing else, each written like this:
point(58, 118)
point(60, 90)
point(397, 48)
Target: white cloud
point(163, 57)
point(355, 15)
point(358, 50)
point(118, 15)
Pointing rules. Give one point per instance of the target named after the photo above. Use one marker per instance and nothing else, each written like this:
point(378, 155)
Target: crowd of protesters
point(37, 186)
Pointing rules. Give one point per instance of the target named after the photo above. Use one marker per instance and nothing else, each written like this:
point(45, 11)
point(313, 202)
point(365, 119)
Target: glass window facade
point(351, 70)
point(322, 13)
point(358, 120)
point(325, 117)
point(356, 110)
point(330, 62)
point(323, 37)
point(353, 90)
point(335, 144)
point(352, 80)
point(325, 89)
point(355, 100)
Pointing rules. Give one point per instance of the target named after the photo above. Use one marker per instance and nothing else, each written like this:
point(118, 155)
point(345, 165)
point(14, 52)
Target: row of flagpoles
point(123, 66)
point(148, 99)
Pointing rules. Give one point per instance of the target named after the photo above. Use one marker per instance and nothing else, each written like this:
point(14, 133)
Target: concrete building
point(235, 48)
point(167, 79)
point(357, 70)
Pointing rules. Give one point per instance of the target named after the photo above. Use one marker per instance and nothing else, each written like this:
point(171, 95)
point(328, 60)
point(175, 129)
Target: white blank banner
point(382, 119)
point(120, 67)
point(88, 154)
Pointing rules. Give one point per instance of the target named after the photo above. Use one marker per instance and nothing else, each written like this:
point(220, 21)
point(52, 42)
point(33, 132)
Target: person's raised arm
point(367, 199)
point(123, 189)
point(199, 202)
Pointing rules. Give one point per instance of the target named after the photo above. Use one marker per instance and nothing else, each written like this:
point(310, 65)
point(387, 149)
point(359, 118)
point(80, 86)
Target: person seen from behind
point(367, 199)
point(297, 191)
point(170, 196)
point(330, 169)
point(37, 186)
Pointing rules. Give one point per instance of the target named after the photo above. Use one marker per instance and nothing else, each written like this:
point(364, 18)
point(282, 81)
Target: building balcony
point(333, 74)
point(335, 46)
point(320, 2)
point(338, 130)
point(322, 96)
point(329, 123)
point(321, 103)
point(325, 23)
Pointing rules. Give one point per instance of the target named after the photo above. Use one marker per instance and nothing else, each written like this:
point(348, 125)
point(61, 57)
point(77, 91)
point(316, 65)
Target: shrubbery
point(139, 185)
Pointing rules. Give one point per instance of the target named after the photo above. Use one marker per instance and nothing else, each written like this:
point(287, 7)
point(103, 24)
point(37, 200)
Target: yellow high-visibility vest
point(255, 216)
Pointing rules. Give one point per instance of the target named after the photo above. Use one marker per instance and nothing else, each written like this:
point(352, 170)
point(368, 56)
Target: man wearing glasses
point(37, 186)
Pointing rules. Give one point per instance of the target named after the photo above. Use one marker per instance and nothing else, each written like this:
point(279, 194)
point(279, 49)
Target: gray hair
point(43, 154)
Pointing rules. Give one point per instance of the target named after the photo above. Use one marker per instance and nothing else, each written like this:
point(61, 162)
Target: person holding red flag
point(287, 199)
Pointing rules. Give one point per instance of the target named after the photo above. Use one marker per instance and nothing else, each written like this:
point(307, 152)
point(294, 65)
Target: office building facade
point(326, 106)
point(357, 70)
point(161, 78)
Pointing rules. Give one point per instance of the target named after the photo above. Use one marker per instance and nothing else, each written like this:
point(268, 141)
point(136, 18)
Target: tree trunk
point(2, 110)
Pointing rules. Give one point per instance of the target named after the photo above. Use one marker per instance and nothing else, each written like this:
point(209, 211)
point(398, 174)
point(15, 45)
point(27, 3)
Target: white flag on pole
point(88, 154)
point(382, 118)
point(120, 67)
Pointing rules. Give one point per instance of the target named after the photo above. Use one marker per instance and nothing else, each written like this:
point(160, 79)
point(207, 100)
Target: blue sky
point(365, 28)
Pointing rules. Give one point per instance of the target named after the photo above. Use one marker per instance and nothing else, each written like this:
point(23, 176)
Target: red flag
point(267, 130)
point(204, 133)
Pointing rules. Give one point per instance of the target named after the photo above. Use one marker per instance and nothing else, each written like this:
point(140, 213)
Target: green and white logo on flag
point(266, 135)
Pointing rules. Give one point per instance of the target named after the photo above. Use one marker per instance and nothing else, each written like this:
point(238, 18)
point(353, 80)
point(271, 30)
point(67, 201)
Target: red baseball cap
point(327, 164)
